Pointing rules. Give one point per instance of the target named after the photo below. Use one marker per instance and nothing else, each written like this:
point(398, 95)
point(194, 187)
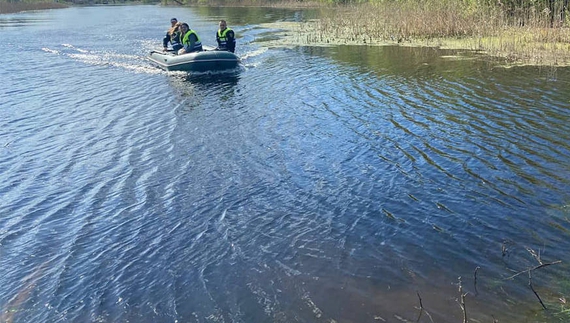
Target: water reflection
point(226, 78)
point(416, 61)
point(19, 21)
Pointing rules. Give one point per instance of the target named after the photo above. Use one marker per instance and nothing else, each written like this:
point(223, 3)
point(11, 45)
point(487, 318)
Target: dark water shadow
point(206, 90)
point(229, 77)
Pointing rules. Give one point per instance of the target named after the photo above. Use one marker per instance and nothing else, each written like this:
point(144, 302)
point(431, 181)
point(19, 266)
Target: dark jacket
point(173, 39)
point(226, 40)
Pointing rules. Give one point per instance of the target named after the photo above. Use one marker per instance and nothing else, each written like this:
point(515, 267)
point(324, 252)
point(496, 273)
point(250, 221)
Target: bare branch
point(462, 302)
point(534, 254)
point(535, 293)
point(421, 306)
point(535, 268)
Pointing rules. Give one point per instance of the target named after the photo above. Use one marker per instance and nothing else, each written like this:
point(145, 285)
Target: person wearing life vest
point(172, 36)
point(225, 38)
point(189, 39)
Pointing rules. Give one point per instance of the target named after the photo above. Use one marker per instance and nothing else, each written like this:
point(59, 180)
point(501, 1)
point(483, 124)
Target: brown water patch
point(28, 285)
point(358, 299)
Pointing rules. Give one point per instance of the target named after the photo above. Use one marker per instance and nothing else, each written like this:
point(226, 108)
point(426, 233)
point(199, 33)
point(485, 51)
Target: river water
point(313, 184)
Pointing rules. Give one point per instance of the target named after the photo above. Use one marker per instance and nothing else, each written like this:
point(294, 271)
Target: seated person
point(190, 40)
point(225, 38)
point(172, 36)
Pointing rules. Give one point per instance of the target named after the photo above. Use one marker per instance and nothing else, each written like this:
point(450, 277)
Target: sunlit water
point(336, 184)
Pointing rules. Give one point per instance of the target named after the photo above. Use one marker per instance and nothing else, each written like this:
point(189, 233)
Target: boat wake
point(254, 53)
point(141, 64)
point(133, 63)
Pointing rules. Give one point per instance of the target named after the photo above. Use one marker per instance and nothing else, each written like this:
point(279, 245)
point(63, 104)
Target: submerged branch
point(534, 268)
point(475, 280)
point(534, 291)
point(421, 306)
point(462, 302)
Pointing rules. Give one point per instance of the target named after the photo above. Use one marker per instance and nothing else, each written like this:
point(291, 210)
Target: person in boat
point(172, 36)
point(225, 38)
point(190, 40)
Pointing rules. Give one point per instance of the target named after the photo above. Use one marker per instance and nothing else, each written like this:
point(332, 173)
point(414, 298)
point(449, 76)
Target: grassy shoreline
point(529, 36)
point(438, 24)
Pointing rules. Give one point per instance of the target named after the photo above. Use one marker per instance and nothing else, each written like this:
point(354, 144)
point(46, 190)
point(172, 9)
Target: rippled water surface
point(314, 184)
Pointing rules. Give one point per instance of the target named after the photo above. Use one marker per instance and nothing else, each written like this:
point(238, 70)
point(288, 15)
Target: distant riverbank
point(13, 7)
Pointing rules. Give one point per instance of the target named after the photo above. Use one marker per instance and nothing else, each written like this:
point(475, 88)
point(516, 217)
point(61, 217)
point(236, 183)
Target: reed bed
point(528, 36)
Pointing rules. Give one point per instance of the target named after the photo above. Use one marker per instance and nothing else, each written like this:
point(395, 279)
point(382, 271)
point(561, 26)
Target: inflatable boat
point(207, 60)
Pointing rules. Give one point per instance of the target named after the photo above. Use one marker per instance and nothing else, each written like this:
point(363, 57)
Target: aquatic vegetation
point(450, 24)
point(525, 35)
